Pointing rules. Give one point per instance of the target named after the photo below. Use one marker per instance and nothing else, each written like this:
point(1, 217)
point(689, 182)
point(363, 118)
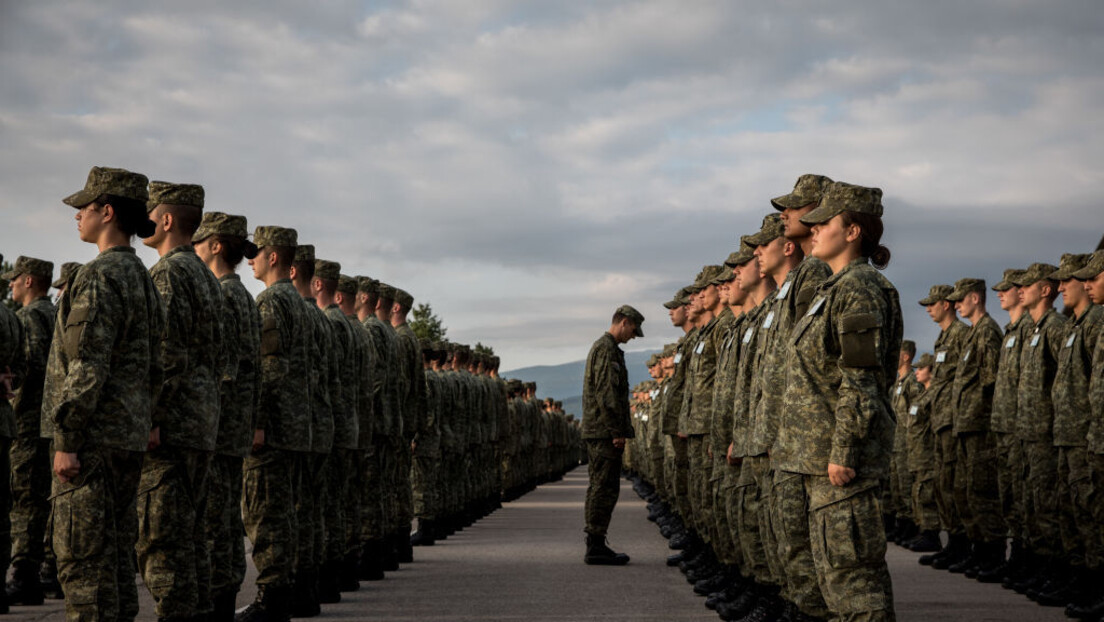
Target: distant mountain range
point(565, 382)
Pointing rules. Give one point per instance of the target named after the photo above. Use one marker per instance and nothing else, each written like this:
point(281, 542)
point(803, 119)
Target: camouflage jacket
point(37, 319)
point(1006, 390)
point(104, 373)
point(747, 370)
point(345, 385)
point(976, 376)
point(365, 399)
point(1095, 435)
point(948, 352)
point(12, 359)
point(841, 362)
point(413, 371)
point(284, 409)
point(429, 437)
point(385, 421)
point(674, 387)
point(724, 385)
point(241, 380)
point(905, 392)
point(1070, 395)
point(192, 350)
point(921, 437)
point(322, 362)
point(697, 398)
point(1038, 368)
point(606, 392)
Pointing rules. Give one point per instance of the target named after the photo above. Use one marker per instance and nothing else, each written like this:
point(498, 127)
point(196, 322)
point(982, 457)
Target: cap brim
point(789, 201)
point(9, 275)
point(759, 239)
point(58, 284)
point(79, 199)
point(1061, 275)
point(639, 332)
point(927, 301)
point(1086, 273)
point(672, 304)
point(955, 297)
point(819, 216)
point(1002, 286)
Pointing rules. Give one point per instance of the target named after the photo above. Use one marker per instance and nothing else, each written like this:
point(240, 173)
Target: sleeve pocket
point(270, 337)
point(75, 323)
point(859, 340)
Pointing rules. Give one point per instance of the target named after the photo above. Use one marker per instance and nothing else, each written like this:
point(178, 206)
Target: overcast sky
point(527, 167)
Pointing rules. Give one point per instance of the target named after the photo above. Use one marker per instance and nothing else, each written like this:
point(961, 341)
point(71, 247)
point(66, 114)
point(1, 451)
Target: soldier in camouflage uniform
point(30, 454)
point(413, 403)
point(427, 448)
point(1072, 413)
point(1035, 425)
point(837, 424)
point(948, 351)
point(976, 492)
point(921, 459)
point(68, 269)
point(12, 371)
point(282, 434)
point(221, 242)
point(172, 497)
point(102, 379)
point(391, 464)
point(901, 527)
point(606, 426)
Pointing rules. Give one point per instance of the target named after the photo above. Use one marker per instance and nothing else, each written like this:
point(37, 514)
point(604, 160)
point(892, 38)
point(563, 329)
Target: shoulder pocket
point(75, 324)
point(859, 340)
point(270, 337)
point(802, 299)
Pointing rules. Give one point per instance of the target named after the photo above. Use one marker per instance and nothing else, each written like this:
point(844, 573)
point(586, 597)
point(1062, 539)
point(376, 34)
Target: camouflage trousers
point(605, 484)
point(172, 534)
point(5, 505)
point(423, 481)
point(310, 487)
point(268, 512)
point(849, 547)
point(1009, 478)
point(94, 526)
point(790, 512)
point(1094, 548)
point(225, 531)
point(371, 489)
point(697, 478)
point(722, 537)
point(924, 510)
point(1041, 498)
point(404, 493)
point(729, 503)
point(1075, 515)
point(30, 497)
point(977, 493)
point(758, 544)
point(682, 477)
point(340, 508)
point(945, 454)
point(900, 485)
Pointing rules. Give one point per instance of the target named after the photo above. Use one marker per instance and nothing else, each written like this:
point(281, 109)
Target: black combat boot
point(25, 588)
point(906, 531)
point(958, 546)
point(966, 561)
point(347, 578)
point(889, 524)
point(1036, 577)
point(48, 578)
point(714, 583)
point(1059, 582)
point(329, 589)
point(927, 542)
point(767, 609)
point(403, 548)
point(304, 603)
point(598, 553)
point(371, 561)
point(1070, 591)
point(222, 607)
point(742, 605)
point(1091, 604)
point(389, 554)
point(424, 535)
point(271, 605)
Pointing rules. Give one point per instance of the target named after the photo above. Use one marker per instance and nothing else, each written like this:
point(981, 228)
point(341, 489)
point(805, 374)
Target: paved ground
point(524, 562)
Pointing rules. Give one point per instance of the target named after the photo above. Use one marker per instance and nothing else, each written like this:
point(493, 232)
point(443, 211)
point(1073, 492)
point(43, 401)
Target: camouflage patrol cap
point(651, 361)
point(1093, 267)
point(404, 299)
point(634, 315)
point(1070, 263)
point(324, 269)
point(1035, 272)
point(304, 253)
point(68, 269)
point(909, 346)
point(682, 297)
point(105, 180)
point(807, 190)
point(385, 291)
point(271, 235)
point(669, 350)
point(345, 284)
point(707, 276)
point(770, 230)
point(842, 197)
point(724, 276)
point(367, 284)
point(925, 360)
point(163, 192)
point(1006, 283)
point(936, 294)
point(219, 223)
point(742, 256)
point(966, 286)
point(29, 266)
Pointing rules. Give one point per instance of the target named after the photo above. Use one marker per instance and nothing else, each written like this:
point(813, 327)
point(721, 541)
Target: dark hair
point(304, 270)
point(285, 255)
point(329, 286)
point(39, 283)
point(909, 348)
point(130, 214)
point(872, 229)
point(186, 217)
point(617, 317)
point(233, 248)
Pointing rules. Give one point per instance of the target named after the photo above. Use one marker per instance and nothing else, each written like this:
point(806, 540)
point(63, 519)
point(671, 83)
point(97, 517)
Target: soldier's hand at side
point(709, 450)
point(840, 475)
point(6, 382)
point(683, 436)
point(154, 439)
point(258, 440)
point(66, 466)
point(619, 443)
point(732, 459)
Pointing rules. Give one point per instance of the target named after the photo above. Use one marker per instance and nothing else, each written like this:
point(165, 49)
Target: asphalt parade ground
point(524, 562)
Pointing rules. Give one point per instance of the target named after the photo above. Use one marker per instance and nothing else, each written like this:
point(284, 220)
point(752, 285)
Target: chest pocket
point(859, 340)
point(270, 337)
point(802, 300)
point(75, 324)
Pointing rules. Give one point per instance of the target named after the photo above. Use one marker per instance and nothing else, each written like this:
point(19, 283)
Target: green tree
point(482, 349)
point(426, 324)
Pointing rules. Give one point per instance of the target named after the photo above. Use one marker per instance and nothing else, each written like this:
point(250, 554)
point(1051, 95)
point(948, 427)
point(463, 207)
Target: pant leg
point(336, 482)
point(1074, 482)
point(849, 547)
point(30, 491)
point(982, 490)
point(268, 512)
point(945, 472)
point(371, 495)
point(1041, 511)
point(1007, 447)
point(1094, 504)
point(789, 513)
point(223, 524)
point(605, 485)
point(924, 509)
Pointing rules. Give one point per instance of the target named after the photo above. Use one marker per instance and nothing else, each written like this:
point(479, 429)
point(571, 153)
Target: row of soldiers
point(1000, 435)
point(176, 412)
point(764, 438)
